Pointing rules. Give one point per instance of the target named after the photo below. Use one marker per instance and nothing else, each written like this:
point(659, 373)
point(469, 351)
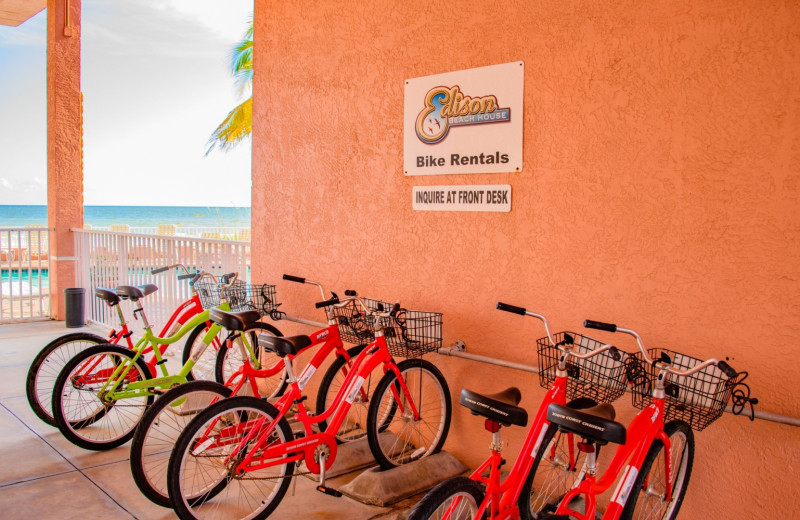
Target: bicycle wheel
point(203, 368)
point(158, 432)
point(394, 436)
point(81, 414)
point(457, 498)
point(47, 364)
point(558, 463)
point(354, 425)
point(230, 359)
point(647, 497)
point(203, 486)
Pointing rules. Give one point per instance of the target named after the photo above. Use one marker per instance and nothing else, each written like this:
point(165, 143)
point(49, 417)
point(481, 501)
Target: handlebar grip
point(196, 276)
point(159, 270)
point(599, 325)
point(511, 308)
point(327, 303)
point(349, 292)
point(294, 278)
point(226, 278)
point(395, 309)
point(186, 276)
point(614, 353)
point(727, 369)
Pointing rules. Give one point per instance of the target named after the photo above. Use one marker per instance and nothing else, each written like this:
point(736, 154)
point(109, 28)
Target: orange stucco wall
point(659, 191)
point(64, 146)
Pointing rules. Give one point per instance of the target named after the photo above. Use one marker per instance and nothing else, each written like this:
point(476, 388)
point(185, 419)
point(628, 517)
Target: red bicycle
point(51, 359)
point(676, 387)
point(654, 458)
point(573, 367)
point(162, 423)
point(236, 459)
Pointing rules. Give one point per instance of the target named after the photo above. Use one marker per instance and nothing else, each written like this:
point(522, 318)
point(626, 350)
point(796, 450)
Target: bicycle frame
point(647, 426)
point(501, 495)
point(370, 358)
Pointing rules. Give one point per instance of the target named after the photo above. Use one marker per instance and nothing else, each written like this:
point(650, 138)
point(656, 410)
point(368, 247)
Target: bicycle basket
point(601, 378)
point(355, 326)
point(698, 399)
point(241, 296)
point(412, 334)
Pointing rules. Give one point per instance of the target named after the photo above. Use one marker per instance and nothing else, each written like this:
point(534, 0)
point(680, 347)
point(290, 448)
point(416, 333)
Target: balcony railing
point(24, 274)
point(109, 259)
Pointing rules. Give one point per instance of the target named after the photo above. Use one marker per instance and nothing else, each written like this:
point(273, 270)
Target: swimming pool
point(24, 282)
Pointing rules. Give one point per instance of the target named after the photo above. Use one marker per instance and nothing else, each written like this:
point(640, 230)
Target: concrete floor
point(42, 475)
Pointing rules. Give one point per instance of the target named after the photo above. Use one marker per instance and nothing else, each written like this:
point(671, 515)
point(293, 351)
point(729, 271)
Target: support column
point(64, 144)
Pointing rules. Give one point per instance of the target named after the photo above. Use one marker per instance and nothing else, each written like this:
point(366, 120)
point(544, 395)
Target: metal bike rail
point(458, 350)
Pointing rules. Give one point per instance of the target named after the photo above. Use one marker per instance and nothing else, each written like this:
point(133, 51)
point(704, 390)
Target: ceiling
point(14, 12)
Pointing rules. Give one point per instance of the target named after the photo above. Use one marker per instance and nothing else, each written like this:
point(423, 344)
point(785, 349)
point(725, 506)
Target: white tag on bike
point(200, 449)
point(624, 488)
point(306, 376)
point(539, 441)
point(354, 389)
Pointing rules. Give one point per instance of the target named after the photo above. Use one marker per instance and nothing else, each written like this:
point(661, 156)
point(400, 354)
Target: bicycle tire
point(561, 472)
point(188, 456)
point(97, 439)
point(45, 368)
point(648, 500)
point(439, 500)
point(227, 362)
point(203, 370)
point(391, 434)
point(330, 385)
point(159, 429)
point(533, 503)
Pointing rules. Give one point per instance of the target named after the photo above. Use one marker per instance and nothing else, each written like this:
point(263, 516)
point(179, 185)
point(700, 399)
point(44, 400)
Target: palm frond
point(234, 129)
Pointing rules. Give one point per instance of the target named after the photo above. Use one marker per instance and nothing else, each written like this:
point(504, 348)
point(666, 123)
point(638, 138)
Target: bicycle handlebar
point(186, 276)
point(609, 327)
point(511, 308)
point(599, 325)
point(327, 303)
point(291, 278)
point(158, 270)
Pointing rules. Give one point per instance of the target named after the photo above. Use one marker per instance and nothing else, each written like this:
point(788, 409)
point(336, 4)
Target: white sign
point(463, 198)
point(469, 121)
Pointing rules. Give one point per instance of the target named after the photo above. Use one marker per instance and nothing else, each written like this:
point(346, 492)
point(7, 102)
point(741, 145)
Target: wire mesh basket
point(601, 377)
point(241, 296)
point(412, 334)
point(698, 399)
point(409, 334)
point(355, 325)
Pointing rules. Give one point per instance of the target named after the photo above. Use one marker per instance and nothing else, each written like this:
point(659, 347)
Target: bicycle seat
point(501, 407)
point(134, 293)
point(595, 423)
point(107, 295)
point(282, 346)
point(233, 320)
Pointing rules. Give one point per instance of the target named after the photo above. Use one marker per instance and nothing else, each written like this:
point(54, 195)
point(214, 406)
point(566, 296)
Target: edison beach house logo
point(446, 107)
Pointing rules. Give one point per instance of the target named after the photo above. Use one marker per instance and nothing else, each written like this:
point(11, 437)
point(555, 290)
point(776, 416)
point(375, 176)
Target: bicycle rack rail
point(458, 350)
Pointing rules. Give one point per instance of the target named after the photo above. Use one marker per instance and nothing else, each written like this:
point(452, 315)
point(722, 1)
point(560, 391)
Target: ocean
point(134, 216)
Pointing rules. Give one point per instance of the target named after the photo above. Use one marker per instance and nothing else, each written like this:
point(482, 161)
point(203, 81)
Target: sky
point(156, 81)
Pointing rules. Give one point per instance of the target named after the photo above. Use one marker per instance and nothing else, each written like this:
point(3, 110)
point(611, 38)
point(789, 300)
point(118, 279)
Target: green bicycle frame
point(149, 387)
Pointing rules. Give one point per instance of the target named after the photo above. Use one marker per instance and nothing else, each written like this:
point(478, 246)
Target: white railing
point(108, 259)
point(214, 232)
point(24, 274)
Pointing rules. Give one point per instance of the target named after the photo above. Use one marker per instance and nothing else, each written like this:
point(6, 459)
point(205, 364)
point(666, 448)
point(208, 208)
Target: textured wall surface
point(660, 191)
point(64, 146)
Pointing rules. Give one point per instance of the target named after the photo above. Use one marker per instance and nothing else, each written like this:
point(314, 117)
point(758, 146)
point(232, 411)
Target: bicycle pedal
point(329, 491)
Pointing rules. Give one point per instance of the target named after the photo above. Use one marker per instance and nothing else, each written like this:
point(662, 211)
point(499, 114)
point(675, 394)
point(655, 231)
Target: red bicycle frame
point(647, 426)
point(375, 354)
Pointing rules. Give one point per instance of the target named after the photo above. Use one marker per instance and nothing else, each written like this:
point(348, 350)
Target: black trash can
point(74, 306)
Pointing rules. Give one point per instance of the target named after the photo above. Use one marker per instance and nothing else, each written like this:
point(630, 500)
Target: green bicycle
point(101, 394)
